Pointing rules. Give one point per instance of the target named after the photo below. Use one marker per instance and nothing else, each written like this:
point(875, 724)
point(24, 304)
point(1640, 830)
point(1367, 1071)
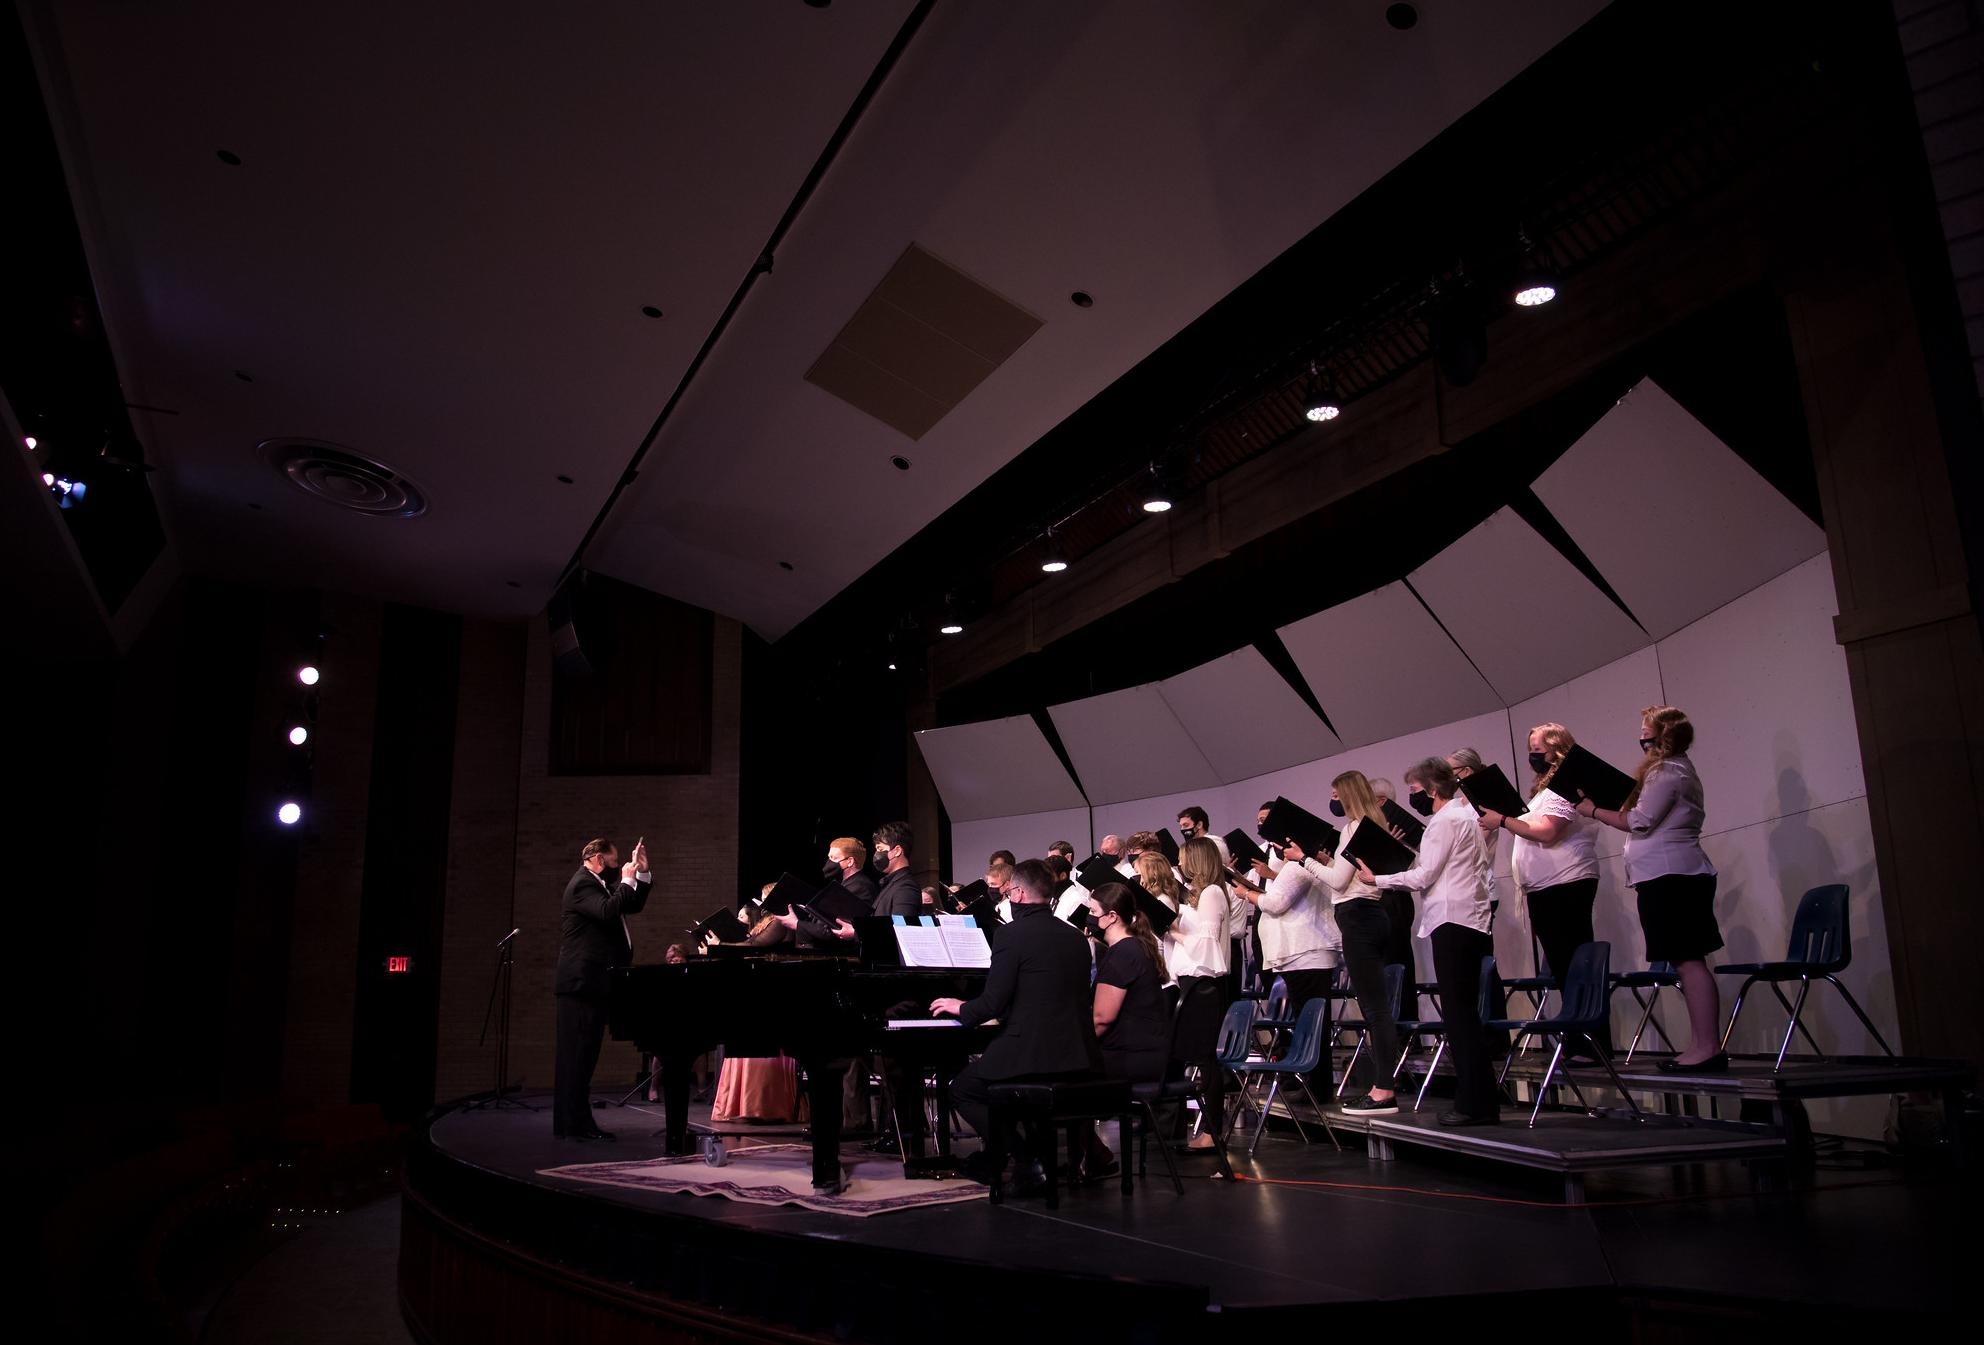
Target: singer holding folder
point(1556, 853)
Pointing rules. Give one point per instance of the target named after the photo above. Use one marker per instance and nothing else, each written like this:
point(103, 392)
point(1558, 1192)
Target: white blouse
point(1338, 874)
point(1196, 943)
point(1572, 858)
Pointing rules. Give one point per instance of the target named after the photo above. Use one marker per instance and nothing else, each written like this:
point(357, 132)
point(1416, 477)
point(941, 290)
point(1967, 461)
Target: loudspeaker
point(581, 633)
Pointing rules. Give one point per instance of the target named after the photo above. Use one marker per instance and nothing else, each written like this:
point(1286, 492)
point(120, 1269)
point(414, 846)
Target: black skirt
point(1677, 914)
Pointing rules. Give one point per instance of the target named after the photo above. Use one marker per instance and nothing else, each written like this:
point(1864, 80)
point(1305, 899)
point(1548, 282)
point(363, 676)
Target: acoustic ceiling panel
point(1128, 745)
point(1381, 666)
point(998, 768)
point(1245, 717)
point(1676, 522)
point(1523, 613)
point(920, 343)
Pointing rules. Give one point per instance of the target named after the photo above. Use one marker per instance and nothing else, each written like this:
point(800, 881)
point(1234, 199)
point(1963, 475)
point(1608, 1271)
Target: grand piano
point(820, 1009)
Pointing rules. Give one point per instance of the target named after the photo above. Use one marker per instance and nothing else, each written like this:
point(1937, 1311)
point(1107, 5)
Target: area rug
point(777, 1174)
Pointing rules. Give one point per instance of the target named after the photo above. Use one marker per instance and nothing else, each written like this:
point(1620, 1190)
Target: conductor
point(595, 942)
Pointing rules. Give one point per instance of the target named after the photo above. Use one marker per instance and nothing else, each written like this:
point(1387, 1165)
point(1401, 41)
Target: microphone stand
point(499, 995)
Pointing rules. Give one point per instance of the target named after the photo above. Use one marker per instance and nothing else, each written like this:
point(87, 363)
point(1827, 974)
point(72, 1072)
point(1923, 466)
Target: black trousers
point(1457, 954)
point(581, 1030)
point(1398, 946)
point(1304, 986)
point(971, 1094)
point(1366, 931)
point(1195, 1041)
point(1560, 917)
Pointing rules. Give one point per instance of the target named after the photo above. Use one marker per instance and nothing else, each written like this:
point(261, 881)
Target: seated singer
point(1038, 989)
point(594, 940)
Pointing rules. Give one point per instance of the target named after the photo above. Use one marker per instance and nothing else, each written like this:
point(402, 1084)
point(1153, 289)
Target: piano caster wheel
point(713, 1152)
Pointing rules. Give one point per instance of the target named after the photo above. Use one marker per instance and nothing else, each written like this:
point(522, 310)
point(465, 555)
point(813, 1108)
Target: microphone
point(507, 937)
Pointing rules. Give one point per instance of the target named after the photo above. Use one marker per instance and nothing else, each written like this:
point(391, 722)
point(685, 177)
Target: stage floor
point(1317, 1227)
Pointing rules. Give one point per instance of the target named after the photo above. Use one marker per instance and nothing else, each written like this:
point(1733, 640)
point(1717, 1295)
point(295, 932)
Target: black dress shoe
point(1451, 1117)
point(1029, 1179)
point(1715, 1064)
point(594, 1134)
point(978, 1168)
point(884, 1143)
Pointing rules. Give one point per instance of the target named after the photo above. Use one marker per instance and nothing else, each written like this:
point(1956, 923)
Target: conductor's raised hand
point(949, 1006)
point(627, 872)
point(639, 859)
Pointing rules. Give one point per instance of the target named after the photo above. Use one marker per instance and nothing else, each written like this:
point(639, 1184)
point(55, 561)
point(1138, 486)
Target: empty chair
point(1584, 1010)
point(1820, 947)
point(1307, 1052)
point(1657, 977)
point(1394, 991)
point(1230, 1055)
point(1274, 1019)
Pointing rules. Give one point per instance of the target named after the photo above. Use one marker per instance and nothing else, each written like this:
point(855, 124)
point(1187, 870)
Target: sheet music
point(943, 946)
point(965, 947)
point(924, 1022)
point(963, 920)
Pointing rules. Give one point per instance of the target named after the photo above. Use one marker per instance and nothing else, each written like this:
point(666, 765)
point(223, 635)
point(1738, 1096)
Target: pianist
point(594, 939)
point(1038, 989)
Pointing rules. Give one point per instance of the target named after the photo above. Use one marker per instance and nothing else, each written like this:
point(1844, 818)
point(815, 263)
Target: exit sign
point(397, 965)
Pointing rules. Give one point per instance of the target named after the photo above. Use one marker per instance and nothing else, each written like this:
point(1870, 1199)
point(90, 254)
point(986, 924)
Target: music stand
point(499, 994)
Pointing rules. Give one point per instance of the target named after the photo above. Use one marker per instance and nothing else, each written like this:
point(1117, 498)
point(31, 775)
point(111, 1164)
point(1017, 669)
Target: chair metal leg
point(1646, 1013)
point(1273, 1088)
point(1859, 1013)
point(1355, 1051)
point(1544, 1087)
point(1798, 1018)
point(1617, 1082)
point(1328, 1129)
point(1431, 1066)
point(1164, 1150)
point(1736, 1011)
point(1804, 989)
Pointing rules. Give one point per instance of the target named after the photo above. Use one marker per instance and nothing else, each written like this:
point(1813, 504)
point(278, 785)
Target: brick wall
point(330, 873)
point(690, 822)
point(1943, 41)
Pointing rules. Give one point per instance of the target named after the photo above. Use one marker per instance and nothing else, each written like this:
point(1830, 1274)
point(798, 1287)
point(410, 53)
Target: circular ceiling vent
point(345, 478)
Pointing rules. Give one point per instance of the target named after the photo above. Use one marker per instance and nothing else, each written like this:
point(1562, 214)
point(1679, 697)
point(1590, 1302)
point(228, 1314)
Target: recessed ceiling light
point(228, 157)
point(899, 462)
point(1082, 299)
point(256, 507)
point(1401, 17)
point(892, 667)
point(242, 374)
point(951, 628)
point(651, 310)
point(566, 479)
point(512, 583)
point(31, 442)
point(785, 565)
point(1156, 506)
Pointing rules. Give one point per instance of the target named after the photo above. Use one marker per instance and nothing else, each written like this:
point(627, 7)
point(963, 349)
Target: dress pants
point(1304, 986)
point(1398, 947)
point(971, 1094)
point(1366, 931)
point(581, 1030)
point(1195, 1041)
point(1560, 917)
point(1457, 954)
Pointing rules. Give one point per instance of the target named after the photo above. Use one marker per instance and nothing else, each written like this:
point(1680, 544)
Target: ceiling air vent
point(344, 478)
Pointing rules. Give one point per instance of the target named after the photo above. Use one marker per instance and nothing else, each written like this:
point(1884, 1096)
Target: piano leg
point(823, 1092)
point(675, 1077)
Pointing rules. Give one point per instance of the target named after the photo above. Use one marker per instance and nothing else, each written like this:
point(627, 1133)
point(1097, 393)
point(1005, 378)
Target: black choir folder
point(1290, 822)
point(1490, 792)
point(1381, 851)
point(1168, 844)
point(1097, 870)
point(724, 924)
point(1241, 846)
point(1582, 775)
point(1154, 911)
point(786, 892)
point(1406, 821)
point(835, 902)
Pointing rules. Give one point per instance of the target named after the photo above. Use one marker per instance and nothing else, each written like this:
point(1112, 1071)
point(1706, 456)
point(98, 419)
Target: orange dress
point(758, 1088)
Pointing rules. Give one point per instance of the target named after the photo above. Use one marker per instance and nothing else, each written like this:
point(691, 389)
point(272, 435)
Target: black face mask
point(1538, 762)
point(1420, 802)
point(882, 861)
point(1336, 807)
point(1646, 744)
point(830, 871)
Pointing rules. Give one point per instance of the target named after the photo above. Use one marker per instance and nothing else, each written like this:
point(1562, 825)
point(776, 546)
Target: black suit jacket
point(592, 940)
point(1038, 989)
point(899, 895)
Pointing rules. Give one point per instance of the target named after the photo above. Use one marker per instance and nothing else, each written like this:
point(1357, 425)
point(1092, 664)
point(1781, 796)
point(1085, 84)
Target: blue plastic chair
point(1584, 1010)
point(1394, 991)
point(1820, 947)
point(1305, 1055)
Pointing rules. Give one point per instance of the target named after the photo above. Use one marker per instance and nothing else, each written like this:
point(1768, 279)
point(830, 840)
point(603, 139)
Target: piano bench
point(1051, 1105)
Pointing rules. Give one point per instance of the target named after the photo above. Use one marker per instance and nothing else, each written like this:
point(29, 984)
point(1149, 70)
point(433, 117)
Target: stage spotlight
point(30, 442)
point(950, 628)
point(307, 675)
point(1535, 282)
point(1056, 559)
point(1319, 400)
point(1157, 492)
point(299, 736)
point(953, 623)
point(892, 667)
point(290, 813)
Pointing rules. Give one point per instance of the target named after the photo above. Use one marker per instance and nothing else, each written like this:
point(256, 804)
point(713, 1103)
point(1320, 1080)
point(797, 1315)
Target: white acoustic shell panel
point(1027, 836)
point(1676, 522)
point(1245, 717)
point(1525, 615)
point(1129, 745)
point(1000, 768)
point(1380, 666)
